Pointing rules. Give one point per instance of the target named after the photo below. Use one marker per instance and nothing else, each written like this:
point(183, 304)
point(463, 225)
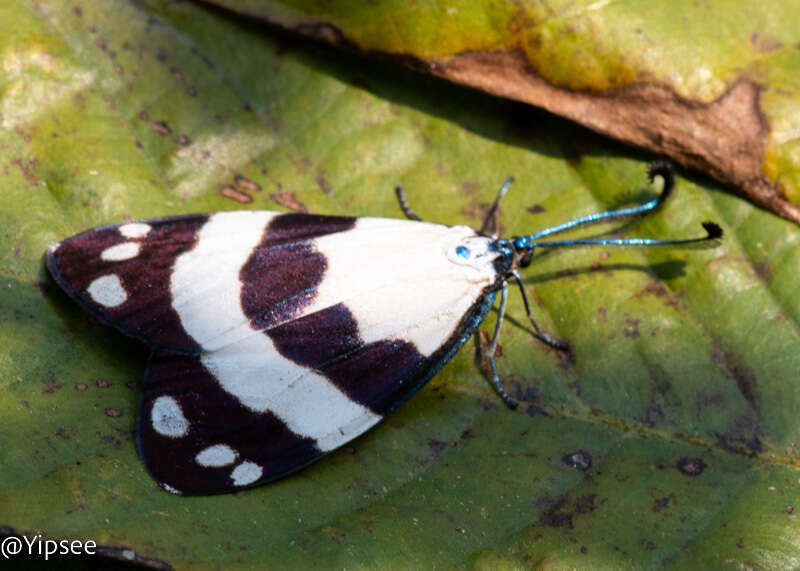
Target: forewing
point(121, 275)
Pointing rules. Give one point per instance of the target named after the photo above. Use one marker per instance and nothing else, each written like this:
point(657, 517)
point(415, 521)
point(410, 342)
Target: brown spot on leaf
point(436, 447)
point(229, 192)
point(763, 270)
point(81, 386)
point(113, 412)
point(102, 384)
point(184, 140)
point(161, 128)
point(705, 399)
point(51, 385)
point(580, 460)
point(536, 209)
point(65, 433)
point(631, 327)
point(202, 57)
point(691, 466)
point(323, 184)
point(744, 376)
point(765, 42)
point(534, 410)
point(565, 510)
point(26, 169)
point(566, 358)
point(657, 289)
point(192, 91)
point(663, 502)
point(288, 200)
point(243, 183)
point(647, 544)
point(469, 188)
point(742, 439)
point(654, 414)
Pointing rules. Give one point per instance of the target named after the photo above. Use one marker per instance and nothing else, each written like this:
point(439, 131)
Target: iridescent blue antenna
point(520, 251)
point(656, 168)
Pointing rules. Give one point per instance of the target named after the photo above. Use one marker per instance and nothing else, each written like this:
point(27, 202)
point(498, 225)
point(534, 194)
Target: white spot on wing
point(124, 251)
point(135, 229)
point(107, 291)
point(217, 455)
point(167, 417)
point(206, 294)
point(246, 473)
point(170, 489)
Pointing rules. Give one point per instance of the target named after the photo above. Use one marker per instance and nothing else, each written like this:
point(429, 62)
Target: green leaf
point(680, 388)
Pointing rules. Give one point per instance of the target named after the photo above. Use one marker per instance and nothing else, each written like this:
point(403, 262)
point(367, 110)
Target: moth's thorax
point(473, 253)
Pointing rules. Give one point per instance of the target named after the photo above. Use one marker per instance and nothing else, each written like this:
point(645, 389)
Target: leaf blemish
point(161, 128)
point(243, 183)
point(565, 509)
point(536, 209)
point(580, 460)
point(691, 466)
point(631, 327)
point(289, 200)
point(662, 502)
point(241, 197)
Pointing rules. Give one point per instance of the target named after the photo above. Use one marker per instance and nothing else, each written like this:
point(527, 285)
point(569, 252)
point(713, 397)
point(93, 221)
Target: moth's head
point(522, 248)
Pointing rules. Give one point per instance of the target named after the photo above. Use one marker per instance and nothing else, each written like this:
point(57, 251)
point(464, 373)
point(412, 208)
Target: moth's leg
point(539, 333)
point(401, 197)
point(493, 346)
point(491, 216)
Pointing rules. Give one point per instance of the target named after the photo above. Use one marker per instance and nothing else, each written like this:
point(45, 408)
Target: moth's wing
point(121, 275)
point(126, 275)
point(329, 334)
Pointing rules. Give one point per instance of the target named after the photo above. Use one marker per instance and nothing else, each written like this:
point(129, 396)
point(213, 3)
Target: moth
point(278, 337)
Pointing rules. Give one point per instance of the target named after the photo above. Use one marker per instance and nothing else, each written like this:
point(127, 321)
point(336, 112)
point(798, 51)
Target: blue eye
point(462, 252)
